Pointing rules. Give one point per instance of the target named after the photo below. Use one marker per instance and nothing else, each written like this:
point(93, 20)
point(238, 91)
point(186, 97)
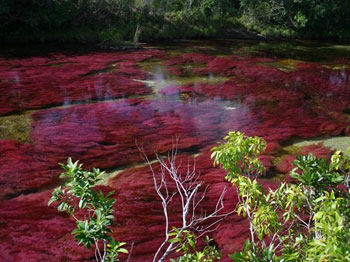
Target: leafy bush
point(307, 18)
point(111, 34)
point(187, 242)
point(305, 221)
point(95, 214)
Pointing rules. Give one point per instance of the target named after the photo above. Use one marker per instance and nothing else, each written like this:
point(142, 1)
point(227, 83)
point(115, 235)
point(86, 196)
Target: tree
point(171, 183)
point(303, 221)
point(95, 214)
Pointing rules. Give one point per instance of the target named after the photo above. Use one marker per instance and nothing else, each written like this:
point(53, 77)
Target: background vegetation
point(147, 20)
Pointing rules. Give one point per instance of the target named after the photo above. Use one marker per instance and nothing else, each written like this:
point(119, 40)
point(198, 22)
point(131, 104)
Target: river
point(99, 107)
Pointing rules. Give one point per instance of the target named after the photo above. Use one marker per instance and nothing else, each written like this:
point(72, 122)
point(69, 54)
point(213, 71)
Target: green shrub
point(304, 221)
point(187, 242)
point(96, 210)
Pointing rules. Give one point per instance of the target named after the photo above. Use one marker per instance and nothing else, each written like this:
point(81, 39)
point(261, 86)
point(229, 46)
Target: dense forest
point(147, 20)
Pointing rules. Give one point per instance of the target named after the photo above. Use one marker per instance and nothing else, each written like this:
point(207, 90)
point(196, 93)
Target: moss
point(337, 143)
point(293, 150)
point(107, 176)
point(17, 127)
point(161, 78)
point(285, 65)
point(337, 66)
point(286, 151)
point(277, 160)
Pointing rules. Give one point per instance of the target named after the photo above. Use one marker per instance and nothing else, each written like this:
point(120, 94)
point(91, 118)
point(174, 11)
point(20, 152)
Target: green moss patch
point(17, 127)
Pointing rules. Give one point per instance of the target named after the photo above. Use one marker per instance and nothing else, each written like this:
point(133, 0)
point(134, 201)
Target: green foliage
point(314, 172)
point(332, 233)
point(239, 155)
point(95, 209)
point(113, 249)
point(34, 19)
point(253, 253)
point(306, 221)
point(312, 18)
point(111, 34)
point(187, 244)
point(115, 19)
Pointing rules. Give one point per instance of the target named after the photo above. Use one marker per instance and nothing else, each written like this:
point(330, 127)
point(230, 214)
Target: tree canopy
point(172, 19)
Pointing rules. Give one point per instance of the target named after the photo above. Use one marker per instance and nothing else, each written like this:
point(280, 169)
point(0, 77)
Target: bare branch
point(170, 182)
point(131, 248)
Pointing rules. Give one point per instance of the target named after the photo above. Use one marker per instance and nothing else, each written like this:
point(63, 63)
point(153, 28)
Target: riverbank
point(124, 37)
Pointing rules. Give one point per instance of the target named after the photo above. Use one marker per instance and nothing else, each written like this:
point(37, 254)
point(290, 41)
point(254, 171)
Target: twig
point(187, 186)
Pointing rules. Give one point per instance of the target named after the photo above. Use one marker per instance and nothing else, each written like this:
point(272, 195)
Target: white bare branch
point(170, 182)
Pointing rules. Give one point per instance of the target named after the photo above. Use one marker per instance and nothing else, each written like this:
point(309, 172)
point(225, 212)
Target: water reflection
point(160, 78)
point(340, 78)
